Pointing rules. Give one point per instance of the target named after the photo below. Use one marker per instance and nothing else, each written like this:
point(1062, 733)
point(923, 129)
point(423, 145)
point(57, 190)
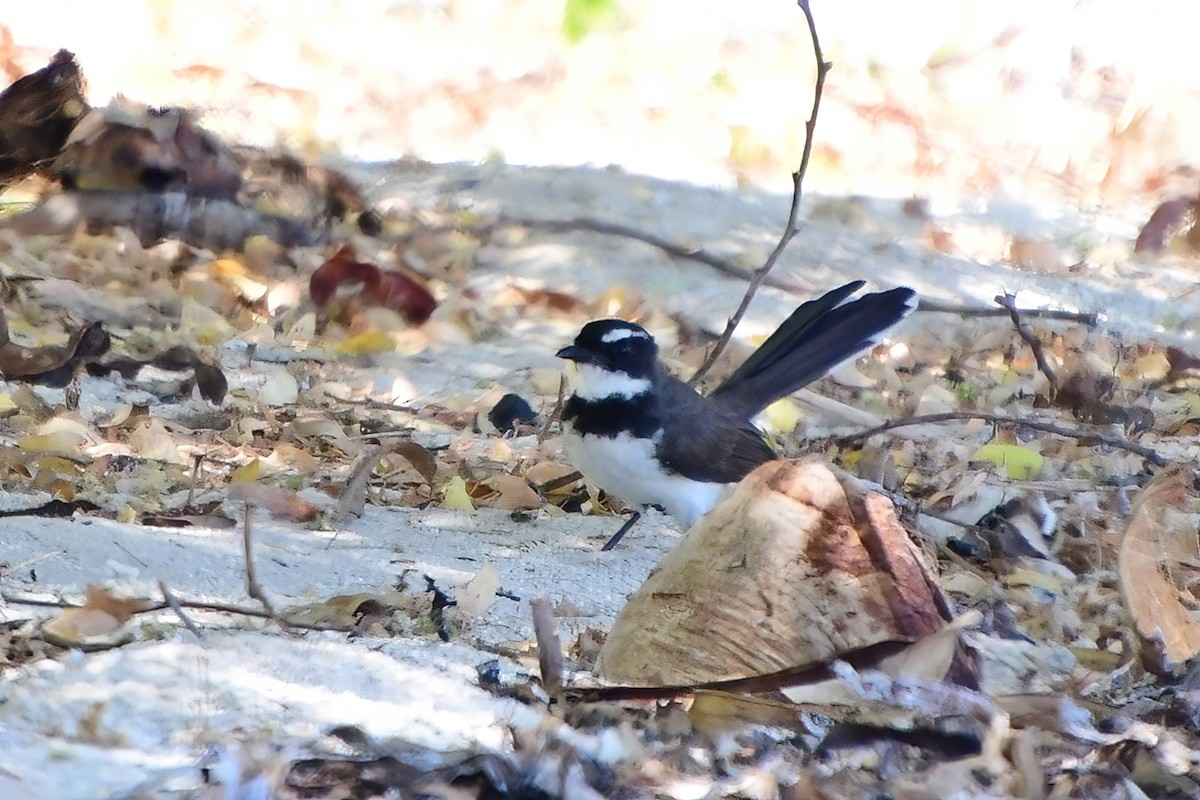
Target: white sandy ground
point(161, 703)
point(668, 89)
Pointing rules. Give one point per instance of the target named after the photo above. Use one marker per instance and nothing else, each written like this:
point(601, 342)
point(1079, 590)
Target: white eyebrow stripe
point(618, 334)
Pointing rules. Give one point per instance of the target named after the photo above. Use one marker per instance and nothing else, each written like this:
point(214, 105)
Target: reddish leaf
point(1166, 222)
point(401, 291)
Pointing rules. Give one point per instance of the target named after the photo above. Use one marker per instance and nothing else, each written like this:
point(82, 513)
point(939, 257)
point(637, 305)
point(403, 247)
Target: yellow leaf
point(375, 341)
point(1153, 366)
point(1038, 580)
point(783, 415)
point(456, 496)
point(62, 442)
point(1018, 462)
point(246, 473)
point(226, 268)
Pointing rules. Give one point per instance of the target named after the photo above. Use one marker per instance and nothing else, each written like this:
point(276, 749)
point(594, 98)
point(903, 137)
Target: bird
point(646, 437)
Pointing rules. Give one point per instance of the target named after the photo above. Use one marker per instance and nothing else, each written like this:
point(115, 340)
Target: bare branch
point(1009, 303)
point(555, 412)
point(792, 227)
point(252, 586)
point(1089, 318)
point(1085, 436)
point(173, 604)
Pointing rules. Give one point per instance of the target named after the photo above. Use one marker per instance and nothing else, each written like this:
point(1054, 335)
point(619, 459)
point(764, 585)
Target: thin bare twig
point(556, 412)
point(197, 461)
point(792, 227)
point(1009, 303)
point(558, 483)
point(1089, 318)
point(252, 587)
point(194, 605)
point(173, 604)
point(1153, 456)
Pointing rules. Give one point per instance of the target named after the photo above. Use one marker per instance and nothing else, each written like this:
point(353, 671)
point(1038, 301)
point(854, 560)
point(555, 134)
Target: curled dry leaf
point(1168, 220)
point(101, 615)
point(1154, 546)
point(51, 365)
point(792, 568)
point(37, 113)
point(401, 291)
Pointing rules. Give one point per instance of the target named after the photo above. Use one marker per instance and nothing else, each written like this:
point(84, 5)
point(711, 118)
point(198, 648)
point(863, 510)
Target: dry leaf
point(402, 291)
point(512, 493)
point(99, 616)
point(276, 500)
point(480, 592)
point(1160, 534)
point(457, 497)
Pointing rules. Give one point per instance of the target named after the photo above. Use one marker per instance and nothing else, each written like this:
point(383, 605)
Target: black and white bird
point(648, 438)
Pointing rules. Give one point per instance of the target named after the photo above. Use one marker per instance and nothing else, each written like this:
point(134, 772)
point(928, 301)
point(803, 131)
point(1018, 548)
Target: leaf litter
point(269, 326)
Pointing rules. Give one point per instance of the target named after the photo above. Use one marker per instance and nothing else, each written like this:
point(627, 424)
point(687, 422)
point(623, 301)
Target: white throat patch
point(590, 382)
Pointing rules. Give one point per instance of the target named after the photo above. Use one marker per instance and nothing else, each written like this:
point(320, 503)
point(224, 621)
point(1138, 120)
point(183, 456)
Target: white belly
point(624, 466)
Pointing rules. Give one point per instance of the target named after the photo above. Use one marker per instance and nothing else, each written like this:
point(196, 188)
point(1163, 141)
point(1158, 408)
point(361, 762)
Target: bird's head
point(612, 357)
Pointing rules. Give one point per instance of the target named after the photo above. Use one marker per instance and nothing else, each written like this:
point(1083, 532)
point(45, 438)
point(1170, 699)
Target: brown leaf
point(276, 500)
point(1164, 224)
point(211, 382)
point(1153, 547)
point(51, 365)
point(100, 615)
point(513, 493)
point(37, 113)
point(213, 521)
point(421, 459)
point(401, 291)
point(121, 609)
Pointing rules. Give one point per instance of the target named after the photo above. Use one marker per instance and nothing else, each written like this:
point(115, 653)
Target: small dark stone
point(510, 410)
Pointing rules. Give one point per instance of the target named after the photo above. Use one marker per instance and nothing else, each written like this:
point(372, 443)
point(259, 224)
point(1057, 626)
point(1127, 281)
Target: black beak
point(575, 353)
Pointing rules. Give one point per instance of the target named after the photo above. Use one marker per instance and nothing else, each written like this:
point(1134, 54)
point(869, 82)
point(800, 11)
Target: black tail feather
point(818, 336)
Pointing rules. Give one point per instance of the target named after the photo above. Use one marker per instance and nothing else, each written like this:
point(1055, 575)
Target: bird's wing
point(708, 442)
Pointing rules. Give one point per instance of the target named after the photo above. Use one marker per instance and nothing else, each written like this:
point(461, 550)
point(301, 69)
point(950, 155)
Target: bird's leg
point(616, 537)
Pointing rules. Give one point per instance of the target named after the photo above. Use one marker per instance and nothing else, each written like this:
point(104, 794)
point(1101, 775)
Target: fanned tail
point(818, 336)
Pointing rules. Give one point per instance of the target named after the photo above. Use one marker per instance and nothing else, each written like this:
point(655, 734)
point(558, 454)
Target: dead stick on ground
point(1009, 303)
point(793, 221)
point(252, 588)
point(173, 604)
point(197, 460)
point(555, 412)
point(1153, 456)
point(192, 605)
point(545, 631)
